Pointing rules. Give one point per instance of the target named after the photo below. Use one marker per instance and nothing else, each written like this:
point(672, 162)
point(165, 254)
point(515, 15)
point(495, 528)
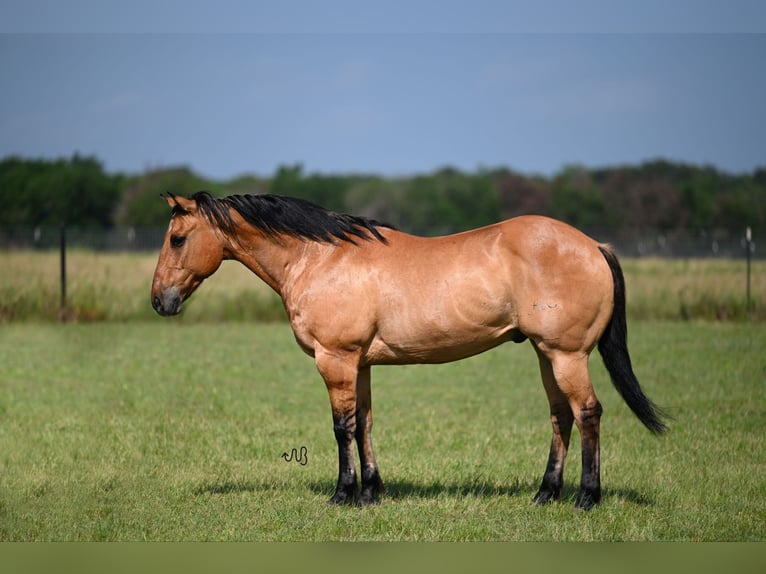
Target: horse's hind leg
point(570, 372)
point(371, 482)
point(562, 420)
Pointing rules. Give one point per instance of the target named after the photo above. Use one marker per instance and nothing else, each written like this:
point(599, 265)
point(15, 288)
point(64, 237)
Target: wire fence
point(718, 243)
point(130, 239)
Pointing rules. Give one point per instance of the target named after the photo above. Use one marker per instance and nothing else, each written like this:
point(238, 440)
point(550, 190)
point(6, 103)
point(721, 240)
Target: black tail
point(613, 347)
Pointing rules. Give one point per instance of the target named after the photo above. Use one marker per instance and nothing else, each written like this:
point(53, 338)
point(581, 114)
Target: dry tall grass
point(115, 286)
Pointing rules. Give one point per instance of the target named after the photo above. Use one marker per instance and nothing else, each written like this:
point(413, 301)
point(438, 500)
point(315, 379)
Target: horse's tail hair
point(613, 347)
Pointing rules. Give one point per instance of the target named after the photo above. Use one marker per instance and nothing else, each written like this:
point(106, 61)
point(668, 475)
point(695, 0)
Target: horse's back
point(452, 296)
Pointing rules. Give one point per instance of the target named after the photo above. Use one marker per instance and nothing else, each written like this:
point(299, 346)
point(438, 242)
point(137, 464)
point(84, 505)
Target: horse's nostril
point(167, 304)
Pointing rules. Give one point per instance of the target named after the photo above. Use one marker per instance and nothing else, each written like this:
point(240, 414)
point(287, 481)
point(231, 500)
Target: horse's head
point(192, 251)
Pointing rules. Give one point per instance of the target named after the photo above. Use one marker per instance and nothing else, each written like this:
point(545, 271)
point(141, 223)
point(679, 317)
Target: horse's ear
point(169, 198)
point(179, 204)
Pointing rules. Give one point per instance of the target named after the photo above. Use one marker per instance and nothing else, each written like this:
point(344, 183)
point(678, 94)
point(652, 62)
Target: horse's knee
point(589, 416)
point(561, 413)
point(344, 428)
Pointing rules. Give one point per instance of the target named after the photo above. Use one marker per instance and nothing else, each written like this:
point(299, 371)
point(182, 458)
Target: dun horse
point(360, 293)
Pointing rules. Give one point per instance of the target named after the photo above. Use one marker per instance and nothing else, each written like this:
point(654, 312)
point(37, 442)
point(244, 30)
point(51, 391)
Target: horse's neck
point(269, 258)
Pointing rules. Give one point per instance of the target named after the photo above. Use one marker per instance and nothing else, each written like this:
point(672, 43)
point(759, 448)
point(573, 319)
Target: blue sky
point(390, 92)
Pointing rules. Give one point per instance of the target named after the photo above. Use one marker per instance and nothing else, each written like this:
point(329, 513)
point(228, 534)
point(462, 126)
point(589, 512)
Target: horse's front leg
point(340, 376)
point(372, 485)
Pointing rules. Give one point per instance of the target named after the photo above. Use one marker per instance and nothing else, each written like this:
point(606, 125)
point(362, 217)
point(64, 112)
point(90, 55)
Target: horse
point(358, 293)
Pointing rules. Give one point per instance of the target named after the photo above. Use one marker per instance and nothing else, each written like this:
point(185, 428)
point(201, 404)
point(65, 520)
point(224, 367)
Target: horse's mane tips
point(276, 214)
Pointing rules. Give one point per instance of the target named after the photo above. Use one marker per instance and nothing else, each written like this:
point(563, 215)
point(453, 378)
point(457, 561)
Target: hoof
point(548, 493)
point(343, 498)
point(341, 501)
point(372, 488)
point(369, 498)
point(544, 497)
point(587, 499)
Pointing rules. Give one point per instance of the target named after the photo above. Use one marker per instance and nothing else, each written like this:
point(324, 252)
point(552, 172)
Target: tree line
point(658, 195)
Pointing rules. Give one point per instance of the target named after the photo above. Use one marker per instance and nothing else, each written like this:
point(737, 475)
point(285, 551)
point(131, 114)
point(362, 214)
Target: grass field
point(108, 286)
point(169, 429)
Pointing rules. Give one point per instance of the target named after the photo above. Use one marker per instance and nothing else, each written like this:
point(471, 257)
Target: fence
point(720, 243)
point(49, 238)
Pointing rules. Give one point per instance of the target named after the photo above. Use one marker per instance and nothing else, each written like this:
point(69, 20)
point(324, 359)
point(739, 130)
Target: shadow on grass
point(625, 495)
point(406, 489)
point(230, 487)
point(402, 489)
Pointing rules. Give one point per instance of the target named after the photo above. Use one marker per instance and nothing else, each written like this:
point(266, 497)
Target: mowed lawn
point(164, 430)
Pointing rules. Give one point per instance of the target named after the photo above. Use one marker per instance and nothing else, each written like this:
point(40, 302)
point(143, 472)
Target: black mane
point(274, 215)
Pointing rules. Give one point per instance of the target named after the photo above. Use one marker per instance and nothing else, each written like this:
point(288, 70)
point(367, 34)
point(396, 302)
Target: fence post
point(748, 250)
point(62, 241)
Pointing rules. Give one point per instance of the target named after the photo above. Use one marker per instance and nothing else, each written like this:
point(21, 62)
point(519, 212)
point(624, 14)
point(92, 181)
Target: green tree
point(698, 197)
point(521, 195)
point(449, 201)
point(326, 190)
point(376, 197)
point(40, 192)
point(142, 205)
point(744, 205)
point(577, 200)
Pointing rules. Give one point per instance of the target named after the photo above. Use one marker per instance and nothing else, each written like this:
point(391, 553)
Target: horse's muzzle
point(167, 304)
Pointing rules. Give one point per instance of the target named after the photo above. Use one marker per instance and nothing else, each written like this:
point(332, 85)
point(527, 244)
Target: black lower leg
point(553, 479)
point(345, 490)
point(372, 486)
point(589, 494)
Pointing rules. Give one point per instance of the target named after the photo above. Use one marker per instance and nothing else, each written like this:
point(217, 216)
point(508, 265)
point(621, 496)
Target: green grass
point(167, 430)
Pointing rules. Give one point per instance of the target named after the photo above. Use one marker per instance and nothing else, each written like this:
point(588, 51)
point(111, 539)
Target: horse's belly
point(434, 347)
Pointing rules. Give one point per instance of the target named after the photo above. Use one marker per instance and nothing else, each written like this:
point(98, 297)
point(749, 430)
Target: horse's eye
point(177, 240)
